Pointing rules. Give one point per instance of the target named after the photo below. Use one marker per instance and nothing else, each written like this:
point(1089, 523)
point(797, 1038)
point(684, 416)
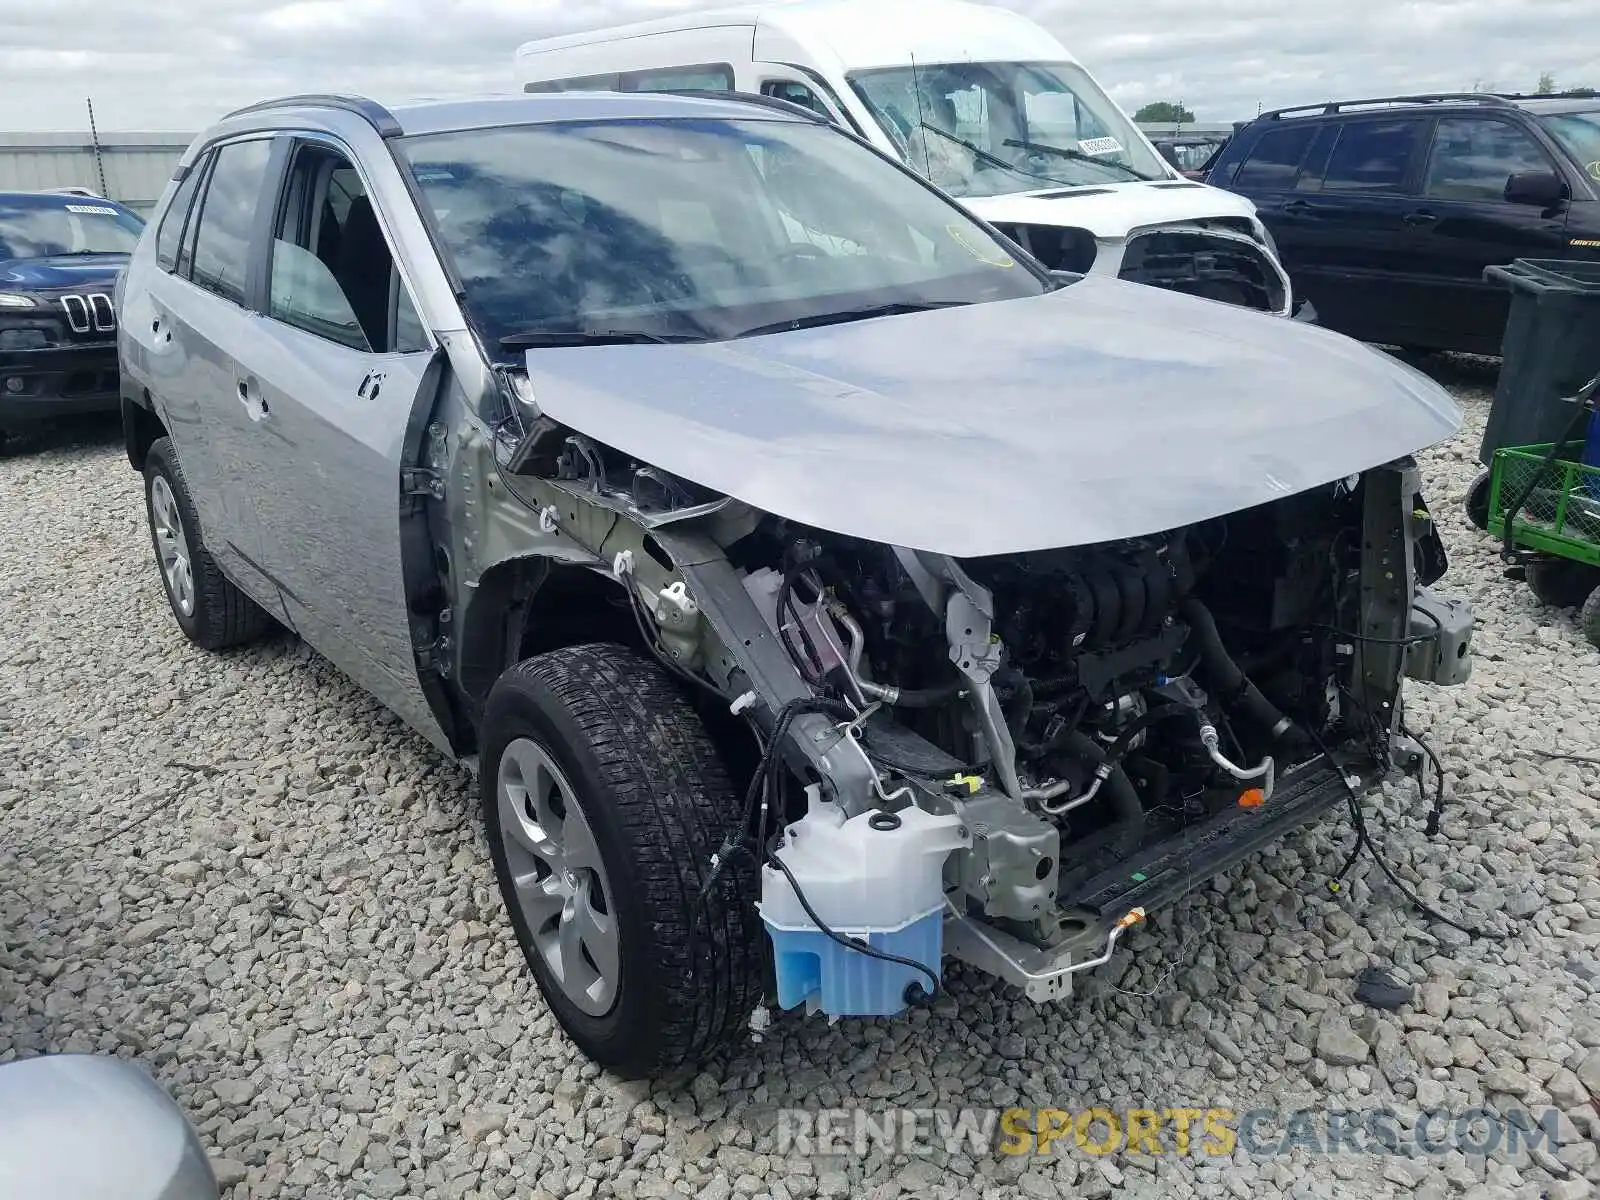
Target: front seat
point(365, 269)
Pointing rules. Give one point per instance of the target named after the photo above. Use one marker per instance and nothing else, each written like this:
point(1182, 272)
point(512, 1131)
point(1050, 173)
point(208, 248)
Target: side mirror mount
point(1539, 189)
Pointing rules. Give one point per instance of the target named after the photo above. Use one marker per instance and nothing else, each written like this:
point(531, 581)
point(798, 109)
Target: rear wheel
point(1562, 583)
point(604, 800)
point(211, 611)
point(1477, 503)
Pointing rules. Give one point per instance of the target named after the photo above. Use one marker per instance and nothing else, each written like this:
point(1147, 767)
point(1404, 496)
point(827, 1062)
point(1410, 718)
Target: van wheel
point(210, 610)
point(1561, 583)
point(604, 800)
point(1477, 502)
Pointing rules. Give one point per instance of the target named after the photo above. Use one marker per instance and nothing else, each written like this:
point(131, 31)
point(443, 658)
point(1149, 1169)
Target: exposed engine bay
point(1011, 758)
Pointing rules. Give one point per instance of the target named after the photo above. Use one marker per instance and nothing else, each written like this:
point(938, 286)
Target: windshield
point(1579, 132)
point(40, 226)
point(987, 129)
point(694, 228)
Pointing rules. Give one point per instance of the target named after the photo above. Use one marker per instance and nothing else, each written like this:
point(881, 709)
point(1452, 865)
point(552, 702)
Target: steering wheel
point(802, 252)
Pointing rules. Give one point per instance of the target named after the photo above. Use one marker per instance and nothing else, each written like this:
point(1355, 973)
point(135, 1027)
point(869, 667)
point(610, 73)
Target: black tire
point(222, 615)
point(659, 802)
point(1561, 583)
point(1589, 618)
point(1477, 502)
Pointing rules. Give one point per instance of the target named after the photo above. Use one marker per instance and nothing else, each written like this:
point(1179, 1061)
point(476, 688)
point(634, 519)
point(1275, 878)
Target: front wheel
point(604, 801)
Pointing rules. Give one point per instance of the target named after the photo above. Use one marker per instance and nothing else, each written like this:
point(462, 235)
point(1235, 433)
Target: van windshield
point(693, 229)
point(988, 129)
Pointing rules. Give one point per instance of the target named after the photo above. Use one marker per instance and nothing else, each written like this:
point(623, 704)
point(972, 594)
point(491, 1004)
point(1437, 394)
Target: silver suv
point(822, 587)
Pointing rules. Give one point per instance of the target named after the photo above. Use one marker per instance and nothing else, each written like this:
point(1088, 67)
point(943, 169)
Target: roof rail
point(1583, 93)
point(375, 114)
point(1337, 106)
point(777, 103)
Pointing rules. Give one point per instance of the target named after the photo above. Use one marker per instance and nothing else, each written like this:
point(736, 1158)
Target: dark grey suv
point(821, 586)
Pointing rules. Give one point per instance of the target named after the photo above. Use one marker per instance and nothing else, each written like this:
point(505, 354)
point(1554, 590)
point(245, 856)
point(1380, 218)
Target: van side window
point(584, 83)
point(795, 92)
point(228, 217)
point(170, 235)
point(1275, 161)
point(709, 77)
point(332, 271)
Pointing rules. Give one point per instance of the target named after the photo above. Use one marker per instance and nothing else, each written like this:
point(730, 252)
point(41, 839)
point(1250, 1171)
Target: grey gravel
point(246, 875)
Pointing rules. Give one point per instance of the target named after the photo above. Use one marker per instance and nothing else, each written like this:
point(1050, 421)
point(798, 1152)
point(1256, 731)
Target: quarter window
point(1275, 161)
point(227, 218)
point(1372, 156)
point(1473, 158)
point(170, 235)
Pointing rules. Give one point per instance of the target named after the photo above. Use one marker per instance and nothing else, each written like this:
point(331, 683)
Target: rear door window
point(1275, 161)
point(1373, 156)
point(1473, 157)
point(228, 218)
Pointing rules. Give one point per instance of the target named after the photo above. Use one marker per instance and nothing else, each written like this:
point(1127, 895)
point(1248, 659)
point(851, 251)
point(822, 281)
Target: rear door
point(199, 313)
point(342, 373)
point(1462, 223)
point(1351, 199)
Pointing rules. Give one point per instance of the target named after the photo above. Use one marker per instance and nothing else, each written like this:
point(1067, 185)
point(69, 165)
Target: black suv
point(60, 254)
point(1387, 211)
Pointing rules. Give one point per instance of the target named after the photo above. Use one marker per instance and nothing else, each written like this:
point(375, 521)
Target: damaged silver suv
point(823, 587)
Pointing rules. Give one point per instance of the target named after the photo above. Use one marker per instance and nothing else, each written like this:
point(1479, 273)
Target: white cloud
point(179, 64)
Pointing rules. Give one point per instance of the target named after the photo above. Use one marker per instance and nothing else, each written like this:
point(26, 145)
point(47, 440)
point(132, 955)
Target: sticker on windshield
point(994, 258)
point(1105, 145)
point(101, 209)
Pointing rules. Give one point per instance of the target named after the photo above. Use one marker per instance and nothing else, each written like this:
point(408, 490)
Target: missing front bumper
point(1216, 264)
point(1099, 909)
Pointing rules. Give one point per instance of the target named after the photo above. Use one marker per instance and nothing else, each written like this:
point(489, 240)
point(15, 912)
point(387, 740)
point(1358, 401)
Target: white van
point(981, 101)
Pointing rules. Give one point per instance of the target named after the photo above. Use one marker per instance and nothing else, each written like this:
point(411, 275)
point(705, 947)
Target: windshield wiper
point(994, 160)
point(531, 338)
point(1077, 156)
point(843, 315)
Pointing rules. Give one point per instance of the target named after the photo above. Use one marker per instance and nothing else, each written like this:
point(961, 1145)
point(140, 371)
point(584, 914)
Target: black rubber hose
point(1225, 676)
point(926, 697)
point(1118, 790)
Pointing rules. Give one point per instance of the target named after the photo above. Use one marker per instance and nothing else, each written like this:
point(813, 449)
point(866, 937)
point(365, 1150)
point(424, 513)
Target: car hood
point(1100, 411)
point(60, 271)
point(1113, 210)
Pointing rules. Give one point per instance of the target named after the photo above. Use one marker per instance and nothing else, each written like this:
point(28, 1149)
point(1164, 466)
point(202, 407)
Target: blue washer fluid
point(811, 966)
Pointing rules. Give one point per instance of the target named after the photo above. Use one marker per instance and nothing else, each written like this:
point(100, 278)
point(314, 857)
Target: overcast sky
point(176, 64)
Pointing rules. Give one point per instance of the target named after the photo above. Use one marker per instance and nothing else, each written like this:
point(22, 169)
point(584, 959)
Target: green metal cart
point(1550, 500)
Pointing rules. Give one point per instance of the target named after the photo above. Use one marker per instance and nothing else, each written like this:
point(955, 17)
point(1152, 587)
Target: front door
point(1462, 223)
point(343, 376)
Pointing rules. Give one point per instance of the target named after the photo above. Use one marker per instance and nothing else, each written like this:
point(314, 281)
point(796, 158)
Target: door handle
point(254, 405)
point(371, 382)
point(1421, 217)
point(1297, 208)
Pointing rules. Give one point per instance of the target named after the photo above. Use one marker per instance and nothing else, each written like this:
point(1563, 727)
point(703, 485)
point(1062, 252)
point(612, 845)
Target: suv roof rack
point(375, 114)
point(1491, 99)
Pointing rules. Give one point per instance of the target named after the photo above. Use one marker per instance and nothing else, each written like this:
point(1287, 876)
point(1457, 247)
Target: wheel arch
point(141, 427)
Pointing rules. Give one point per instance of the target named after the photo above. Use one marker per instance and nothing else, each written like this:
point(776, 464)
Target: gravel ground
point(243, 873)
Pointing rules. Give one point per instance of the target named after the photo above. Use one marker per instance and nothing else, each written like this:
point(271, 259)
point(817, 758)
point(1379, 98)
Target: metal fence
point(131, 168)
